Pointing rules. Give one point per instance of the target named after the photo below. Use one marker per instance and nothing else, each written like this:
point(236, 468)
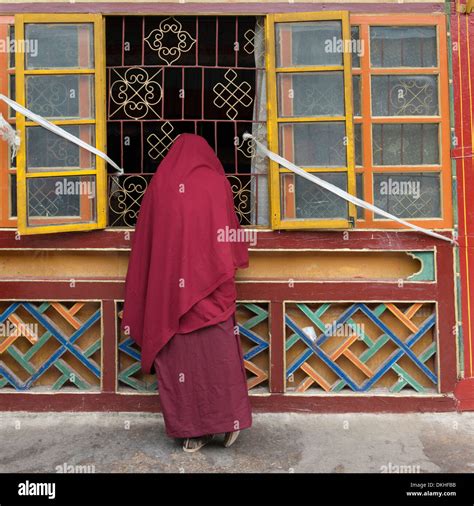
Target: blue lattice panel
point(254, 337)
point(386, 347)
point(253, 327)
point(50, 345)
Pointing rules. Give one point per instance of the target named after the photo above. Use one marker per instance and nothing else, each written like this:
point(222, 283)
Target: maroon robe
point(180, 282)
point(202, 382)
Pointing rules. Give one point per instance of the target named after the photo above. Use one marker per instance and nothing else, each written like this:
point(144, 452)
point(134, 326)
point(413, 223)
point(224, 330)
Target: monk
point(180, 296)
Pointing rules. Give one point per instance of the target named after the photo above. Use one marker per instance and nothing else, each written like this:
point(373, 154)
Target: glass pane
point(356, 93)
point(11, 54)
point(303, 199)
point(311, 94)
point(11, 94)
point(13, 206)
point(59, 45)
point(320, 144)
point(405, 144)
point(356, 45)
point(309, 43)
point(360, 194)
point(403, 46)
point(358, 144)
point(409, 195)
point(61, 200)
point(63, 96)
point(45, 150)
point(394, 95)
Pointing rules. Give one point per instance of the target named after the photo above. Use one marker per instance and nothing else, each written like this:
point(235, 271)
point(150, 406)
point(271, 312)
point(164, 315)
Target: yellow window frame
point(273, 120)
point(100, 170)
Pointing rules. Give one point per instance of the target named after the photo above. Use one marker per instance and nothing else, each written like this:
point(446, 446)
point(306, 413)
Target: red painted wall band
point(219, 8)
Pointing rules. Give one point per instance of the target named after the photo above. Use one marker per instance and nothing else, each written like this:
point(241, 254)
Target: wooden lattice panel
point(254, 335)
point(50, 345)
point(130, 375)
point(252, 320)
point(386, 347)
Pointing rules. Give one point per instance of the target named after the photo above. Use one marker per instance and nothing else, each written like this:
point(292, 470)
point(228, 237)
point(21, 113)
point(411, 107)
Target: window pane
point(11, 54)
point(404, 95)
point(308, 43)
point(59, 45)
point(356, 93)
point(319, 144)
point(360, 194)
point(11, 94)
point(311, 94)
point(403, 46)
point(357, 50)
point(405, 144)
point(60, 200)
point(302, 199)
point(45, 150)
point(63, 96)
point(409, 195)
point(13, 206)
point(358, 144)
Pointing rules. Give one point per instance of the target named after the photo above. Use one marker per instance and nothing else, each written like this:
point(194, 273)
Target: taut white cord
point(341, 193)
point(58, 130)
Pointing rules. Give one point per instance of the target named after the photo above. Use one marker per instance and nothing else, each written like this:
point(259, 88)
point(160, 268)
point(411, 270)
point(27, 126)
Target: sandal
point(194, 444)
point(231, 438)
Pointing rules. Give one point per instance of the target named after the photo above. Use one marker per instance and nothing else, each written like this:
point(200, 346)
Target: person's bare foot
point(194, 444)
point(230, 438)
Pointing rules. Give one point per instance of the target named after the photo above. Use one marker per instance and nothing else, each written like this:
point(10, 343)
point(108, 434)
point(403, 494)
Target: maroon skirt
point(202, 382)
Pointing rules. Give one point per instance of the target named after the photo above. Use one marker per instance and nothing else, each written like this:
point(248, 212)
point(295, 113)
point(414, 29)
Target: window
point(361, 101)
point(61, 187)
point(310, 118)
point(196, 74)
point(7, 165)
point(403, 151)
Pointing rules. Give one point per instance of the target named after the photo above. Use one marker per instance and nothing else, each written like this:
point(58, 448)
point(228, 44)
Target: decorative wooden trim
point(446, 325)
point(194, 8)
point(277, 291)
point(277, 348)
point(427, 270)
point(439, 292)
point(62, 290)
point(464, 393)
point(260, 403)
point(462, 33)
point(352, 404)
point(109, 347)
point(121, 239)
point(340, 291)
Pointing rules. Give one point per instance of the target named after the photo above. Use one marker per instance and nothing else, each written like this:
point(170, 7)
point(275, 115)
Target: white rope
point(9, 134)
point(58, 130)
point(341, 193)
